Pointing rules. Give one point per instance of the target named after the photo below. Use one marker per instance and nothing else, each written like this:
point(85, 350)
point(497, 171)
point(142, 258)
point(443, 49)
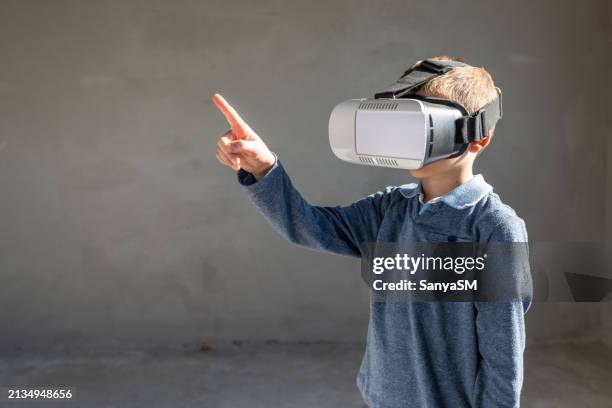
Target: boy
point(429, 354)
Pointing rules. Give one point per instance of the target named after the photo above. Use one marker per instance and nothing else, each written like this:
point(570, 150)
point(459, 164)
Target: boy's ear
point(478, 146)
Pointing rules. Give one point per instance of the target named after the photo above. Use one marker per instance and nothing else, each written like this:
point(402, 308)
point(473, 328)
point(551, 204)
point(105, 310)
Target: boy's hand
point(240, 147)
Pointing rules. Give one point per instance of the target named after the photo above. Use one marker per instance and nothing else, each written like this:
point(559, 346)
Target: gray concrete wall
point(117, 223)
point(606, 312)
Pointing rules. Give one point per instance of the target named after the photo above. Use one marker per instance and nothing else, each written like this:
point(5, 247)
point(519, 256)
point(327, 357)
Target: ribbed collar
point(463, 196)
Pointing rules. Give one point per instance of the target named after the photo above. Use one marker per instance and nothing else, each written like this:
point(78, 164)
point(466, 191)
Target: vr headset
point(400, 129)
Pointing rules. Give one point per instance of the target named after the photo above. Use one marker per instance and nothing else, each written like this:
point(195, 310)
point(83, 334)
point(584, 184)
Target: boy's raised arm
point(339, 230)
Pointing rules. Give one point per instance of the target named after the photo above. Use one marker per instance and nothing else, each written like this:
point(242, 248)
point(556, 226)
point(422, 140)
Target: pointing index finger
point(233, 118)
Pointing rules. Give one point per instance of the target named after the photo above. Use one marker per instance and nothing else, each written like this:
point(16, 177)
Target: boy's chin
point(416, 173)
point(438, 168)
point(430, 169)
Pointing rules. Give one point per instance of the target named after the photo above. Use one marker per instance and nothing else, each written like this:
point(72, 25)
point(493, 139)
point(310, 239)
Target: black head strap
point(417, 76)
point(475, 127)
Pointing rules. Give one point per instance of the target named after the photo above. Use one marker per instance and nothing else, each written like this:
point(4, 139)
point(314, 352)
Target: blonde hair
point(472, 87)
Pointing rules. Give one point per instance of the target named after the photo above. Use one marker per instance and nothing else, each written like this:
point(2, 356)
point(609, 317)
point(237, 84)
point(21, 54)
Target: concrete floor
point(293, 375)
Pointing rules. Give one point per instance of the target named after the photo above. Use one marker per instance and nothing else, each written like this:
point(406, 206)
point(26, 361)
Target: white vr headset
point(402, 130)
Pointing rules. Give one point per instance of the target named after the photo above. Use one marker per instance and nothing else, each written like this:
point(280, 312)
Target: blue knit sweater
point(425, 355)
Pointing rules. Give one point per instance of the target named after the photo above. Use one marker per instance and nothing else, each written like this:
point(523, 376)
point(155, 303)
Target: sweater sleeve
point(337, 230)
point(500, 323)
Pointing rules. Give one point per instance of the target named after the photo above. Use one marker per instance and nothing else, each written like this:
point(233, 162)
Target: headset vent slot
point(378, 161)
point(367, 160)
point(386, 162)
point(378, 105)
